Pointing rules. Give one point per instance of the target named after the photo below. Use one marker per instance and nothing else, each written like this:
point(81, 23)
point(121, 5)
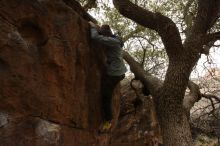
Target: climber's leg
point(108, 85)
point(107, 90)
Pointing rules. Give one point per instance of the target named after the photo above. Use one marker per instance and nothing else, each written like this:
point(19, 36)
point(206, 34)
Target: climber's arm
point(108, 41)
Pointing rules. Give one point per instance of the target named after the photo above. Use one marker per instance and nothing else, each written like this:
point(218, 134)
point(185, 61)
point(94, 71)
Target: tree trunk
point(182, 58)
point(172, 116)
point(171, 113)
point(175, 130)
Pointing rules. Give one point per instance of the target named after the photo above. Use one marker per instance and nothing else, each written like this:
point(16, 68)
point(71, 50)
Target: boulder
point(50, 74)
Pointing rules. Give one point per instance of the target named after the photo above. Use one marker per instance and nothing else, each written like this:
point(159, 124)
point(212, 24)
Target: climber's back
point(113, 43)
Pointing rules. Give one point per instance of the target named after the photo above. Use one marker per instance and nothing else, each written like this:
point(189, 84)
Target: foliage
point(141, 42)
point(144, 44)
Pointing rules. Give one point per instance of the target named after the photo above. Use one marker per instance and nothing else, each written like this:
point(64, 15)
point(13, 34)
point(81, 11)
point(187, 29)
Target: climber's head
point(105, 30)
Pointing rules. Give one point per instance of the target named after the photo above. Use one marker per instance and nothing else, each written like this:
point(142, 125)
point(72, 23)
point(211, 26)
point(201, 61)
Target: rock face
point(137, 123)
point(50, 73)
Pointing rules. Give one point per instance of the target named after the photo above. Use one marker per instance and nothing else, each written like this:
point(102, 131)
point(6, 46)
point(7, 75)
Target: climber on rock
point(115, 68)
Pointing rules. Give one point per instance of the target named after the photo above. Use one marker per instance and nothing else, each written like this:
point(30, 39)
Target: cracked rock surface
point(50, 73)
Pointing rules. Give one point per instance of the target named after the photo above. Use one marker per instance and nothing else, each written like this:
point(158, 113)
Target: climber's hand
point(93, 24)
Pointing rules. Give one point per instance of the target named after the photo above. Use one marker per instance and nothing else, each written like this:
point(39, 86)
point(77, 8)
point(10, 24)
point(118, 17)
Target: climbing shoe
point(105, 127)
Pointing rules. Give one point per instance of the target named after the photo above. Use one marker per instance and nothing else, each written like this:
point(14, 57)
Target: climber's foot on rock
point(105, 127)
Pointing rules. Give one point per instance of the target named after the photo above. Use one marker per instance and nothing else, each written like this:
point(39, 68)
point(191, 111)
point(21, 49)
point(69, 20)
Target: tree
point(182, 58)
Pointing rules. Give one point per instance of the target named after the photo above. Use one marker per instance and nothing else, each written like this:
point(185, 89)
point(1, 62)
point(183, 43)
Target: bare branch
point(213, 106)
point(144, 54)
point(209, 96)
point(145, 38)
point(155, 66)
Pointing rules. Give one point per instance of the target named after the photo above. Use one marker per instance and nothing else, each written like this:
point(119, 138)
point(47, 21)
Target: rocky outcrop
point(137, 123)
point(50, 74)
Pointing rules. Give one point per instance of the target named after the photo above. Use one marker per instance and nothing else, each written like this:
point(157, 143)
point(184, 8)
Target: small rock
point(3, 119)
point(49, 131)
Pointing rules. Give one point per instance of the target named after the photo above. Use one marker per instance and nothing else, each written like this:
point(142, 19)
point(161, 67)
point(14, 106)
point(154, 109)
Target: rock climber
point(115, 68)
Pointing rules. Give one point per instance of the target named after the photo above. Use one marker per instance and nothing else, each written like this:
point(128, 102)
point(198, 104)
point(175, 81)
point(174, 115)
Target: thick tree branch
point(193, 97)
point(163, 25)
point(154, 84)
point(149, 81)
point(144, 54)
point(207, 47)
point(209, 41)
point(211, 37)
point(208, 13)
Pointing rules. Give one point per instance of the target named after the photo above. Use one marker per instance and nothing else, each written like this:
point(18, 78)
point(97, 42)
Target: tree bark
point(154, 86)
